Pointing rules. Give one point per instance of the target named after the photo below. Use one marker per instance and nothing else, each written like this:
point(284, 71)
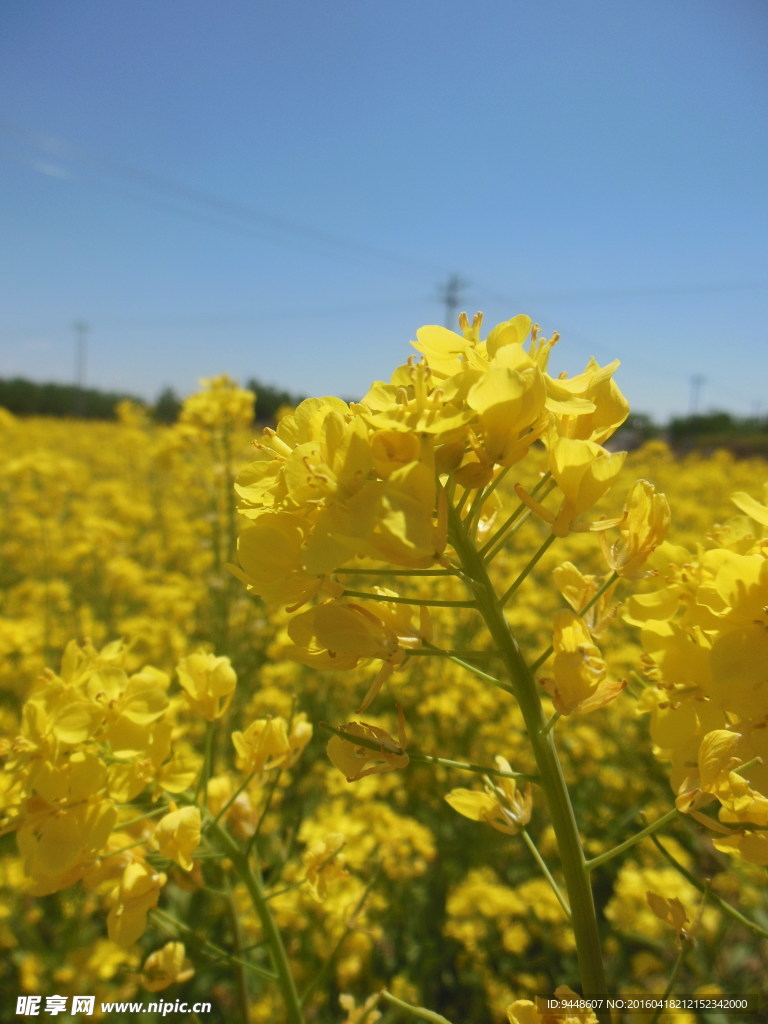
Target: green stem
point(552, 780)
point(416, 756)
point(348, 571)
point(466, 766)
point(462, 501)
point(475, 511)
point(556, 716)
point(234, 796)
point(350, 924)
point(430, 651)
point(492, 487)
point(533, 849)
point(717, 900)
point(179, 928)
point(599, 593)
point(251, 878)
point(142, 817)
point(265, 809)
point(603, 858)
point(684, 947)
point(473, 668)
point(495, 543)
point(392, 599)
point(201, 790)
point(415, 1011)
point(241, 976)
point(533, 561)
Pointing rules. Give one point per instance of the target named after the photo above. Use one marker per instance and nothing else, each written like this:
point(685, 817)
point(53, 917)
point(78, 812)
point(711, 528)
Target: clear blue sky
point(281, 188)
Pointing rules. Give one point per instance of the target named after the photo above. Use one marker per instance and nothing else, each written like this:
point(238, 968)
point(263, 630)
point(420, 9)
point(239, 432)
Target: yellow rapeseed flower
point(324, 864)
point(643, 527)
point(356, 760)
point(209, 683)
point(166, 966)
point(267, 743)
point(177, 835)
point(136, 894)
point(578, 683)
point(500, 804)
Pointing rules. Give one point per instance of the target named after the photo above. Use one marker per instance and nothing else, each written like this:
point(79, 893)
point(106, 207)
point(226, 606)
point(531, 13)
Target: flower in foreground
point(136, 894)
point(380, 753)
point(177, 835)
point(501, 805)
point(578, 683)
point(209, 683)
point(266, 743)
point(643, 527)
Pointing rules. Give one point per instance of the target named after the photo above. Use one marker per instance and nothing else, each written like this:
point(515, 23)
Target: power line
point(245, 219)
point(200, 204)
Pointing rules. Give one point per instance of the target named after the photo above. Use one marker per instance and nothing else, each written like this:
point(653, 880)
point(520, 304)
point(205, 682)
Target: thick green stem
point(251, 878)
point(552, 780)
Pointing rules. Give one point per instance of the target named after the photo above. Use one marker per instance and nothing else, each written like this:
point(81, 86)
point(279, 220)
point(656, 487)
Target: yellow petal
point(753, 508)
point(473, 803)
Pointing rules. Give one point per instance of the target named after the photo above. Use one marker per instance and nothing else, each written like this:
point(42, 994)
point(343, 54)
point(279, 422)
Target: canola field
point(420, 708)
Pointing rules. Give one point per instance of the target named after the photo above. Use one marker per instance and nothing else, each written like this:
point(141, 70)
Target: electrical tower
point(449, 296)
point(81, 338)
point(696, 384)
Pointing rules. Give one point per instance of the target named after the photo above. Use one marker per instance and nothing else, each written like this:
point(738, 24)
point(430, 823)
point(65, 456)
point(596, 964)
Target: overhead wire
point(198, 203)
point(40, 153)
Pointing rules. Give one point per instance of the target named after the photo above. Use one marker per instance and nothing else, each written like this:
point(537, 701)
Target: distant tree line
point(30, 398)
point(269, 400)
point(703, 432)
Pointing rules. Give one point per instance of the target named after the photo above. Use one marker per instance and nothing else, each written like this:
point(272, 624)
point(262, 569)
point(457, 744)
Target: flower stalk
point(552, 780)
point(250, 875)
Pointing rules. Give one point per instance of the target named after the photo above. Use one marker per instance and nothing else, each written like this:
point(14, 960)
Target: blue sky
point(281, 190)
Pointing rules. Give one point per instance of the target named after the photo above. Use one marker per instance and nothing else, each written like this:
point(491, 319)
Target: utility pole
point(696, 382)
point(449, 296)
point(81, 328)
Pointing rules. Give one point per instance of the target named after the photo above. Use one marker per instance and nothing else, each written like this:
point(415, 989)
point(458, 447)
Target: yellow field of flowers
point(422, 708)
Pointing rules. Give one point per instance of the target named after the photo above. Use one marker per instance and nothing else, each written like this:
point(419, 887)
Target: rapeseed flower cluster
point(339, 488)
point(93, 740)
point(705, 635)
